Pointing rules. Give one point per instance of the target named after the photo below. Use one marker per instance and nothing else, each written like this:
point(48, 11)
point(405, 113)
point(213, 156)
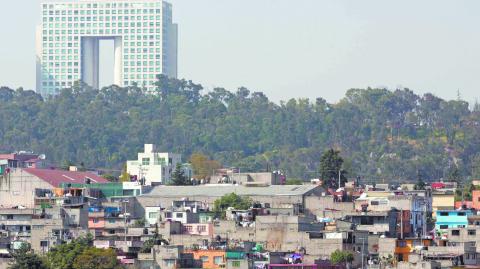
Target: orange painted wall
point(99, 224)
point(408, 247)
point(210, 254)
point(476, 199)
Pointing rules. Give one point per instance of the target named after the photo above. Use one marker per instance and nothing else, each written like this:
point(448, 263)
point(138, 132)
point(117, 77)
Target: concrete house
point(19, 187)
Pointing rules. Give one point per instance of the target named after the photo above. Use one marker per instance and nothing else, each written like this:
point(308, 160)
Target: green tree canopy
point(80, 254)
point(63, 256)
point(24, 258)
point(454, 175)
point(420, 185)
point(331, 169)
point(382, 134)
point(178, 177)
point(340, 256)
point(125, 176)
point(96, 258)
point(203, 167)
point(66, 165)
point(110, 177)
point(231, 200)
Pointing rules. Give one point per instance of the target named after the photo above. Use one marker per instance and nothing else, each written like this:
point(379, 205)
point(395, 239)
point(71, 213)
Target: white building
point(155, 167)
point(152, 214)
point(132, 188)
point(145, 42)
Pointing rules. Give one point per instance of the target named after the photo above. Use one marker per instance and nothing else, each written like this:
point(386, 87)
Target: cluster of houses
point(154, 225)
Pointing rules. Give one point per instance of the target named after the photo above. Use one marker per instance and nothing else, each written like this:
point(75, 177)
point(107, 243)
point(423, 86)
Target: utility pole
point(401, 223)
point(363, 250)
point(238, 174)
point(125, 220)
point(424, 219)
point(140, 173)
point(339, 176)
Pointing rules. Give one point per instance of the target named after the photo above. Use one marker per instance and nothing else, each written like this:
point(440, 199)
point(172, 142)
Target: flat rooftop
point(369, 214)
point(220, 190)
point(16, 211)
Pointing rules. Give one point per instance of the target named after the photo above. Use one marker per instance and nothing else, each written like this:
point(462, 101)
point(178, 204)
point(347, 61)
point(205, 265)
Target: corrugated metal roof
point(56, 177)
point(220, 190)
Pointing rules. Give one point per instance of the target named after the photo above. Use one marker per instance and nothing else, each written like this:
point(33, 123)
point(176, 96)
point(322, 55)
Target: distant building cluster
point(283, 226)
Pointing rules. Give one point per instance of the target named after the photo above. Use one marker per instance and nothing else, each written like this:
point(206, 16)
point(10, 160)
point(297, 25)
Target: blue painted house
point(452, 219)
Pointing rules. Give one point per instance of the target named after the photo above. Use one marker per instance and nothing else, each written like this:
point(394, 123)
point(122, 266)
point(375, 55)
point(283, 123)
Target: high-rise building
point(145, 42)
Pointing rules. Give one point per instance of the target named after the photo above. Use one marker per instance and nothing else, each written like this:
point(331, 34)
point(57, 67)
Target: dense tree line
point(381, 134)
point(77, 254)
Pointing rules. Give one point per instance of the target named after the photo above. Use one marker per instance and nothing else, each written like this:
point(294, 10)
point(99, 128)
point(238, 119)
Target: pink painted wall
point(99, 224)
point(198, 229)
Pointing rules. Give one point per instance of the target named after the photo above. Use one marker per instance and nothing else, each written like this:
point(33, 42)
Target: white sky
point(299, 48)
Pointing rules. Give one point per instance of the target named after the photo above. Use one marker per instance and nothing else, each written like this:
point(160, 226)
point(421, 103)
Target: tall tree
point(125, 176)
point(454, 175)
point(203, 167)
point(420, 185)
point(24, 258)
point(331, 171)
point(178, 177)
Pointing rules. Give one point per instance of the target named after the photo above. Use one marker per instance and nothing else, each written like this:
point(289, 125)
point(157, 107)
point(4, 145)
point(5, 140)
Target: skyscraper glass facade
point(145, 42)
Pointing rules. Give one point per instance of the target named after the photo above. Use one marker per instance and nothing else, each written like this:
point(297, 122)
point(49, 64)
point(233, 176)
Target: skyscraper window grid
point(68, 42)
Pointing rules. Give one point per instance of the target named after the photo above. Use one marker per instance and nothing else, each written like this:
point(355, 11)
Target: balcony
point(440, 250)
point(20, 234)
point(59, 200)
point(48, 222)
point(115, 225)
point(139, 231)
point(100, 214)
point(16, 211)
point(103, 244)
point(145, 256)
point(374, 228)
point(15, 222)
point(123, 244)
point(107, 234)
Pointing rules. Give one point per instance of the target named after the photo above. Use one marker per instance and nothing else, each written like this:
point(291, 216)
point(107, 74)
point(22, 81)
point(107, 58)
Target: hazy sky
point(299, 48)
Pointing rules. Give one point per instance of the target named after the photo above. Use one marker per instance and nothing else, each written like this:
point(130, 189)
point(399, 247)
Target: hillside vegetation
point(381, 134)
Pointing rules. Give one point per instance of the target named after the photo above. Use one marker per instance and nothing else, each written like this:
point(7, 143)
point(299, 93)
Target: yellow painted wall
point(442, 201)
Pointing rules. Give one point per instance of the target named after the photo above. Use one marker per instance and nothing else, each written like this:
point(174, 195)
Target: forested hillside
point(381, 134)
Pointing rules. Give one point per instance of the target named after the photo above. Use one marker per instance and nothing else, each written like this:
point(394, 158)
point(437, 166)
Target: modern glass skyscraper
point(145, 41)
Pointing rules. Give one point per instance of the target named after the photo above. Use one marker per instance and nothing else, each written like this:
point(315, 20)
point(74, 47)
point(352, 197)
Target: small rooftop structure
point(21, 159)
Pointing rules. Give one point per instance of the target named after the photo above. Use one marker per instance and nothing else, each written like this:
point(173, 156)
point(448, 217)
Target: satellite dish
point(42, 157)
